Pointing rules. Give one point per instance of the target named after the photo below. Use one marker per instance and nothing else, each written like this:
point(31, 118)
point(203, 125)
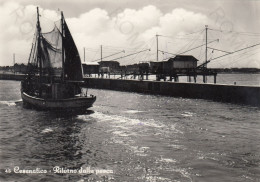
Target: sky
point(131, 26)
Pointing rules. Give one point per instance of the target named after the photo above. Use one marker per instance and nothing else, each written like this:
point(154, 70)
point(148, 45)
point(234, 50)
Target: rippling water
point(137, 137)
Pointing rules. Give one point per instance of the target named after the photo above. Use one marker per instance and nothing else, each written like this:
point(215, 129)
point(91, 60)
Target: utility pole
point(101, 52)
point(13, 61)
point(206, 52)
point(206, 56)
point(84, 55)
point(157, 50)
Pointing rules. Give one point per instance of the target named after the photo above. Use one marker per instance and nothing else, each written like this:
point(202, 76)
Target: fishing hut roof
point(116, 62)
point(157, 61)
point(91, 63)
point(183, 58)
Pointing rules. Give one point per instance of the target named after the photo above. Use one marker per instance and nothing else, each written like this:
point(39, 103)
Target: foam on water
point(47, 130)
point(116, 119)
point(166, 166)
point(85, 118)
point(155, 178)
point(174, 130)
point(8, 103)
point(167, 160)
point(127, 129)
point(139, 151)
point(183, 172)
point(188, 114)
point(122, 126)
point(208, 156)
point(133, 111)
point(130, 128)
point(247, 177)
point(120, 133)
point(178, 147)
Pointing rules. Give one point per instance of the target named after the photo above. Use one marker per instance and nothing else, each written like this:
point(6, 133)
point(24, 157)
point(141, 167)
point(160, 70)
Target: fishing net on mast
point(47, 53)
point(51, 52)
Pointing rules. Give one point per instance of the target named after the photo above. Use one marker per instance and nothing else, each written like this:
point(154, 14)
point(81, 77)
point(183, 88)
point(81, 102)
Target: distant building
point(143, 67)
point(133, 68)
point(122, 68)
point(179, 62)
point(112, 65)
point(138, 68)
point(156, 67)
point(90, 68)
point(20, 68)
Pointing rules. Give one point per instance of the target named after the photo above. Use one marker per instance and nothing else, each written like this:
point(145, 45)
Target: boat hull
point(75, 103)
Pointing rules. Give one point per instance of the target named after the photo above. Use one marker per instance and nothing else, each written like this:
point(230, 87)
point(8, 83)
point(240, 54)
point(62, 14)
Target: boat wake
point(135, 135)
point(11, 102)
point(47, 130)
point(133, 111)
point(187, 114)
point(126, 121)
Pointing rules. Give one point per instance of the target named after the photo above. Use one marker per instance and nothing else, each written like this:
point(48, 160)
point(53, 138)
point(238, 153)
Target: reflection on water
point(136, 137)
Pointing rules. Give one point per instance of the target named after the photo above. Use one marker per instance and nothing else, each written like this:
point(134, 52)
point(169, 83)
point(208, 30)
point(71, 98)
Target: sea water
point(129, 137)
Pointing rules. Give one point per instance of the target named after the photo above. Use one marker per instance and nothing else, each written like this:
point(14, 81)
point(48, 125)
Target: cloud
point(130, 29)
point(17, 28)
point(181, 20)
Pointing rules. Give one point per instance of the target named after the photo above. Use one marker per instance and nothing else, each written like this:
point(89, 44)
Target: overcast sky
point(131, 25)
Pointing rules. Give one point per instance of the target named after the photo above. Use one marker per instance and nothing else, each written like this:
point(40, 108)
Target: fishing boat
point(54, 76)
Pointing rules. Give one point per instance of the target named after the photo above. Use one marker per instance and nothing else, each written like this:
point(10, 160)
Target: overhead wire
point(242, 58)
point(236, 32)
point(241, 55)
point(191, 43)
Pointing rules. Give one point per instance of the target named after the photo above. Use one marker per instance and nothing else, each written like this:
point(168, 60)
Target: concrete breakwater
point(17, 77)
point(224, 93)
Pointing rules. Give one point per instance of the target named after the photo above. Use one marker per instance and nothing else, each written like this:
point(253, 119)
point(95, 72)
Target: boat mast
point(39, 49)
point(62, 47)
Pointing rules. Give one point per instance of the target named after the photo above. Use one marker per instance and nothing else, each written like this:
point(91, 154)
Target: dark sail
point(72, 63)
